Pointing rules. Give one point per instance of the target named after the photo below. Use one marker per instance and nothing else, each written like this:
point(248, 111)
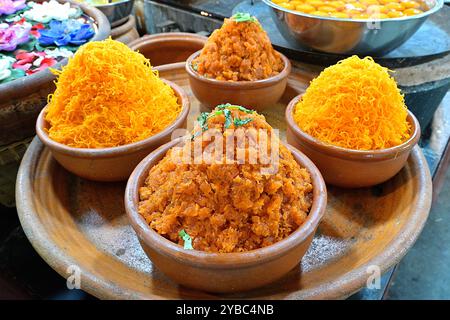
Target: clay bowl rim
point(241, 85)
point(166, 37)
point(10, 90)
point(120, 150)
point(203, 259)
point(344, 153)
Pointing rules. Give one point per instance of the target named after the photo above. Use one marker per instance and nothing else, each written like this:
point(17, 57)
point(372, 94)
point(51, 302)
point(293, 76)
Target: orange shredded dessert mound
point(227, 207)
point(107, 96)
point(238, 51)
point(354, 104)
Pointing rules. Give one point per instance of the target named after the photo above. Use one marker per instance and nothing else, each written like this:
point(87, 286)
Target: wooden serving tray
point(74, 222)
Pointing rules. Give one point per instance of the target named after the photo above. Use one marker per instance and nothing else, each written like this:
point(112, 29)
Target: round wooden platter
point(74, 223)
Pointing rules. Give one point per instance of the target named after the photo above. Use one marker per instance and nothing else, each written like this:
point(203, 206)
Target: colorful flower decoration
point(32, 62)
point(34, 28)
point(36, 36)
point(58, 52)
point(13, 36)
point(62, 33)
point(5, 66)
point(11, 6)
point(51, 10)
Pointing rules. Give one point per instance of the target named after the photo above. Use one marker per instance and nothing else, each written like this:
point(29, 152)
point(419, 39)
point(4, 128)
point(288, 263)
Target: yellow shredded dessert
point(354, 104)
point(107, 96)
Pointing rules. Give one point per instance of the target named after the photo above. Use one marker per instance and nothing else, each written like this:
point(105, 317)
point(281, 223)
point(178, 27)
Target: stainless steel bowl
point(117, 12)
point(348, 36)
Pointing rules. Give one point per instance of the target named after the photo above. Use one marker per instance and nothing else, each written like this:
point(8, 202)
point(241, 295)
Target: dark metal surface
point(424, 99)
point(161, 17)
point(217, 8)
point(117, 12)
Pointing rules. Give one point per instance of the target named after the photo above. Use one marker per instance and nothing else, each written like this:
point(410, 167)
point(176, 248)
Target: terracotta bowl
point(22, 99)
point(126, 32)
point(351, 168)
point(223, 272)
point(256, 95)
point(170, 47)
point(111, 164)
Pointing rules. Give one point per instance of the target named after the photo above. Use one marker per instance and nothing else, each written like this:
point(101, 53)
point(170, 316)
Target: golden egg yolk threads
point(354, 104)
point(107, 96)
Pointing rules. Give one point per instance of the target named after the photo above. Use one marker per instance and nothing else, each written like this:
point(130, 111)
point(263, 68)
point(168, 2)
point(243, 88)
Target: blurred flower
point(32, 62)
point(25, 60)
point(42, 63)
point(5, 66)
point(34, 28)
point(11, 37)
point(58, 52)
point(10, 6)
point(51, 10)
point(62, 33)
